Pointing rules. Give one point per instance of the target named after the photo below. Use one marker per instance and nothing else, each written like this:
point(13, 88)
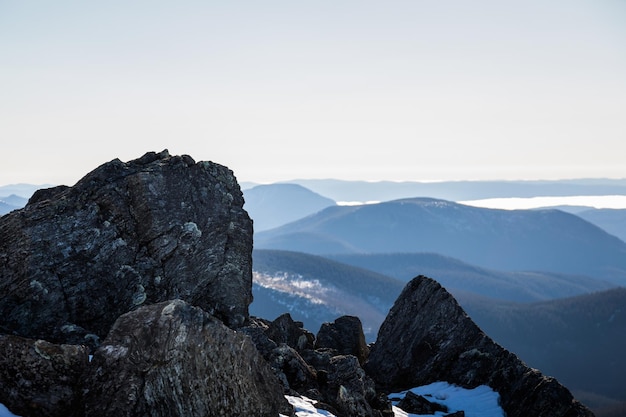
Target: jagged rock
point(348, 389)
point(345, 335)
point(319, 358)
point(416, 404)
point(292, 370)
point(127, 234)
point(285, 330)
point(427, 337)
point(38, 378)
point(173, 359)
point(296, 375)
point(256, 329)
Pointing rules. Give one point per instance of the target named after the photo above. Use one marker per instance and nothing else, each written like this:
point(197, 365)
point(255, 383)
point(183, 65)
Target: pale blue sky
point(276, 90)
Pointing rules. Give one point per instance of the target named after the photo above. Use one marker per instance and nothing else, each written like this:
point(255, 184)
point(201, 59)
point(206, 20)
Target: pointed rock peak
point(428, 337)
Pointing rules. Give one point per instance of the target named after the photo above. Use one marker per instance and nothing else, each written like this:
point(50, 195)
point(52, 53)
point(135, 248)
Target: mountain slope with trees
point(513, 240)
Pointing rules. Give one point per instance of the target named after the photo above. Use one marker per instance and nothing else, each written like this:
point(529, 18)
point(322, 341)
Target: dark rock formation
point(416, 404)
point(295, 374)
point(127, 234)
point(285, 330)
point(348, 389)
point(345, 335)
point(336, 381)
point(38, 378)
point(172, 359)
point(427, 337)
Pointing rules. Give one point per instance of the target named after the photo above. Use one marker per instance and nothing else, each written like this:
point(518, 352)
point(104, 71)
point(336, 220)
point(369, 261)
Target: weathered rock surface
point(427, 337)
point(173, 359)
point(38, 378)
point(156, 228)
point(285, 330)
point(416, 404)
point(336, 381)
point(345, 335)
point(295, 374)
point(351, 391)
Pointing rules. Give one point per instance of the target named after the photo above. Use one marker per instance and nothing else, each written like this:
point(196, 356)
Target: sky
point(277, 90)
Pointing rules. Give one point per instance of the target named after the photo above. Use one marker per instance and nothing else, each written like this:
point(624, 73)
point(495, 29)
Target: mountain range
point(276, 204)
point(541, 282)
point(586, 330)
point(461, 277)
point(362, 191)
point(511, 240)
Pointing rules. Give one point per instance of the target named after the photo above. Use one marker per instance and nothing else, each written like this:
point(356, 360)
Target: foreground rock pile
point(128, 295)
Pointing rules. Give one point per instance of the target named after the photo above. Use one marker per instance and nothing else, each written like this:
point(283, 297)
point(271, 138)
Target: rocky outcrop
point(329, 374)
point(38, 378)
point(345, 335)
point(127, 234)
point(427, 337)
point(416, 404)
point(285, 330)
point(155, 255)
point(173, 359)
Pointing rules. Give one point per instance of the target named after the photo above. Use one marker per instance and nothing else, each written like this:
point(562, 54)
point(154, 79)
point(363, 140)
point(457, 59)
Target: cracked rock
point(126, 235)
point(173, 359)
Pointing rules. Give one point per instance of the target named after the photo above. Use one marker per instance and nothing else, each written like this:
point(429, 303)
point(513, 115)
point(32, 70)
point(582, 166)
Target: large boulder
point(156, 228)
point(349, 389)
point(173, 359)
point(427, 337)
point(42, 379)
point(345, 335)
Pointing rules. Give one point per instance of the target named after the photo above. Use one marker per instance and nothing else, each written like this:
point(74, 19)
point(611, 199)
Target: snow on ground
point(4, 412)
point(304, 407)
point(481, 401)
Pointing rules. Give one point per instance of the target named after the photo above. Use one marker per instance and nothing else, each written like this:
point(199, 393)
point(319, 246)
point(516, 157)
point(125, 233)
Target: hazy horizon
point(356, 90)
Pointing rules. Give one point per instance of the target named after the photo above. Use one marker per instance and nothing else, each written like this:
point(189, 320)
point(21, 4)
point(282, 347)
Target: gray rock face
point(127, 234)
point(173, 359)
point(353, 391)
point(38, 378)
point(285, 330)
point(345, 335)
point(336, 381)
point(427, 337)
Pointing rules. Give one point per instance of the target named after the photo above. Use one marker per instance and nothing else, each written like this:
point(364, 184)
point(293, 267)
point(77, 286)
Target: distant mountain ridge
point(273, 205)
point(611, 220)
point(341, 190)
point(315, 289)
point(513, 240)
point(15, 196)
point(458, 277)
point(586, 330)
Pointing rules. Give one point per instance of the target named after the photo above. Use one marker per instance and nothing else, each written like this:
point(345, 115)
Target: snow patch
point(481, 401)
point(4, 412)
point(304, 407)
point(295, 284)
